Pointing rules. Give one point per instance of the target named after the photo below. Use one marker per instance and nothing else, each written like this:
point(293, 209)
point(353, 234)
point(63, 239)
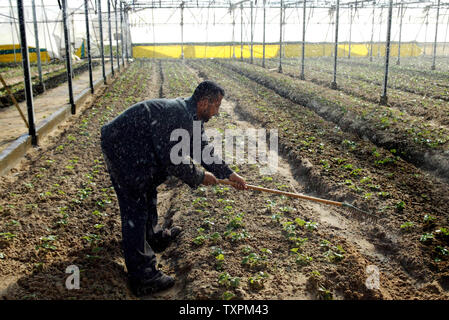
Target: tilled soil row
point(425, 107)
point(361, 118)
point(60, 210)
point(401, 180)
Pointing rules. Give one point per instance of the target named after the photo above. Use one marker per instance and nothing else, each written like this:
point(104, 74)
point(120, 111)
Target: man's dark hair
point(208, 89)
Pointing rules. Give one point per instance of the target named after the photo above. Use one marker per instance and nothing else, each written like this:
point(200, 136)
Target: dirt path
point(44, 105)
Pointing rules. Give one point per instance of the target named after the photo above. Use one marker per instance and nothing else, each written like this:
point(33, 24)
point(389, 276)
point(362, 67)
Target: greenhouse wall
point(271, 50)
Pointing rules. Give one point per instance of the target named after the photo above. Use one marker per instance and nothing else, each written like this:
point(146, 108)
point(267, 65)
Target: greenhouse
point(224, 150)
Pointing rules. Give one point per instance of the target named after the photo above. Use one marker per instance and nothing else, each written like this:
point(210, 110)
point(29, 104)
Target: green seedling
point(325, 294)
point(7, 235)
point(400, 206)
point(428, 219)
point(46, 243)
point(226, 280)
point(227, 295)
point(441, 253)
point(300, 258)
point(311, 225)
point(215, 237)
point(407, 226)
point(237, 236)
point(426, 237)
point(257, 281)
point(443, 231)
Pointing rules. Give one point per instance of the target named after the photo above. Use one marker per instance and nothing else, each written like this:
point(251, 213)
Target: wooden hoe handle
point(289, 194)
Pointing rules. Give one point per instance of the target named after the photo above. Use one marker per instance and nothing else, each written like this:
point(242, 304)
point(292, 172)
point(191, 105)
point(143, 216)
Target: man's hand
point(209, 179)
point(240, 183)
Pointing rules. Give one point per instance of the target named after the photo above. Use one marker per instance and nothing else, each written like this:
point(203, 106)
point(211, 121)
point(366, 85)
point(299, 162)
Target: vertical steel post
point(252, 34)
point(121, 34)
point(233, 32)
point(264, 17)
point(303, 40)
point(26, 73)
point(110, 38)
point(241, 32)
point(436, 34)
point(38, 50)
point(89, 56)
point(380, 29)
point(398, 62)
point(12, 31)
point(372, 34)
point(334, 82)
point(445, 36)
point(350, 32)
point(280, 38)
point(182, 30)
point(100, 23)
point(126, 35)
point(384, 98)
point(68, 59)
point(425, 33)
point(116, 37)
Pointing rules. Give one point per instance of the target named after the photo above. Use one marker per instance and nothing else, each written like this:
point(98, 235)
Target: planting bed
point(356, 81)
point(58, 208)
point(424, 144)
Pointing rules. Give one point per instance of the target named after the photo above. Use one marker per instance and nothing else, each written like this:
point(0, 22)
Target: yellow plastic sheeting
point(271, 50)
point(7, 53)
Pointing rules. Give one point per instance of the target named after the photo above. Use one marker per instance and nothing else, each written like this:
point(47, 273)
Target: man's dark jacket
point(137, 143)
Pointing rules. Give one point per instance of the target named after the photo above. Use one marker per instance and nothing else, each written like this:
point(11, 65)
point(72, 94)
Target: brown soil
point(63, 190)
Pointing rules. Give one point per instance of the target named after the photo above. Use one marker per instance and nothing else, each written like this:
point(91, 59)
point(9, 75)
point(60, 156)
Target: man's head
point(208, 96)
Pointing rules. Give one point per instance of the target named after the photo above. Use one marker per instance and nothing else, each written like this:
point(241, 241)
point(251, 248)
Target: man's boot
point(162, 239)
point(152, 284)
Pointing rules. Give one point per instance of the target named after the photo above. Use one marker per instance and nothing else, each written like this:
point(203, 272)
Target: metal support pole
point(182, 30)
point(380, 29)
point(116, 37)
point(264, 17)
point(280, 38)
point(68, 59)
point(372, 34)
point(233, 33)
point(26, 73)
point(425, 33)
point(350, 32)
point(100, 23)
point(436, 34)
point(126, 36)
point(12, 31)
point(252, 34)
point(38, 50)
point(384, 98)
point(89, 56)
point(334, 82)
point(398, 62)
point(121, 33)
point(303, 40)
point(111, 57)
point(241, 32)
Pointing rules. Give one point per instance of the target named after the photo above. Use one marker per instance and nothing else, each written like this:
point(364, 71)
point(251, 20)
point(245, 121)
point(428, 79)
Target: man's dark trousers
point(137, 197)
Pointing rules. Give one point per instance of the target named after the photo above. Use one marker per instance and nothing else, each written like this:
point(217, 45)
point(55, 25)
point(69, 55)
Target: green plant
point(257, 281)
point(7, 235)
point(426, 237)
point(226, 280)
point(46, 243)
point(300, 258)
point(227, 295)
point(400, 206)
point(407, 226)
